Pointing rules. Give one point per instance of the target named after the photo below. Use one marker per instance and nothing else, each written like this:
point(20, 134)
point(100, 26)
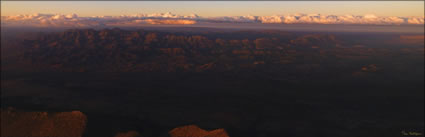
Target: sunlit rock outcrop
point(365, 70)
point(42, 124)
point(195, 131)
point(370, 68)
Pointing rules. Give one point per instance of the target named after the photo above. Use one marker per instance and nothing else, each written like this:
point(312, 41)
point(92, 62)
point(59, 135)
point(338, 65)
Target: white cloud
point(73, 20)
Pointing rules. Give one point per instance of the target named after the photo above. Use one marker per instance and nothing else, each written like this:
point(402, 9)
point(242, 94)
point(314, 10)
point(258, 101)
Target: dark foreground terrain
point(249, 83)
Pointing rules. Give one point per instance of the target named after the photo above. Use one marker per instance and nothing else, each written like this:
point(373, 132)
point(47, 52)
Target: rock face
point(42, 124)
point(195, 131)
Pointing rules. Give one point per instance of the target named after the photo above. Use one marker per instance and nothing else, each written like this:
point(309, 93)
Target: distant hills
point(121, 50)
point(264, 54)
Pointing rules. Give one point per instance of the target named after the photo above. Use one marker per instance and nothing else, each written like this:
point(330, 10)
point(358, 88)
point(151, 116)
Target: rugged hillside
point(146, 51)
point(250, 83)
point(252, 54)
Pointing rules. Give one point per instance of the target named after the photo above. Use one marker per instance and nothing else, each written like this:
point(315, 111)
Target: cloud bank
point(73, 20)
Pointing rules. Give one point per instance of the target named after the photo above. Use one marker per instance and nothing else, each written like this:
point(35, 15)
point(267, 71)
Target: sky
point(214, 8)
